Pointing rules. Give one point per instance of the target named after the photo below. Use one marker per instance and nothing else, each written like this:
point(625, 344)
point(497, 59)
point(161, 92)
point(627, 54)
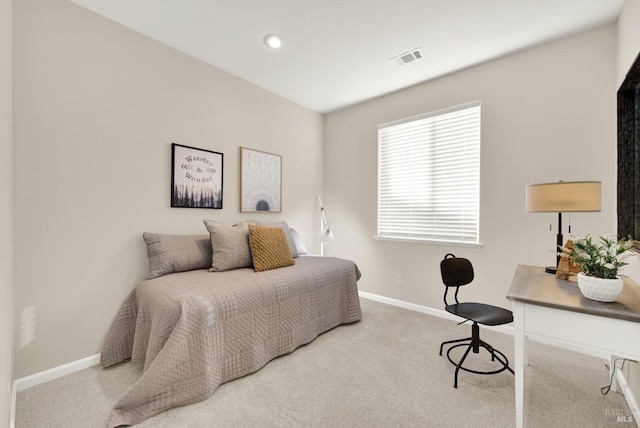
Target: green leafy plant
point(603, 258)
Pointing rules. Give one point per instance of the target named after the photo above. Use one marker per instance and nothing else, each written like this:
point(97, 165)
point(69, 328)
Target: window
point(429, 177)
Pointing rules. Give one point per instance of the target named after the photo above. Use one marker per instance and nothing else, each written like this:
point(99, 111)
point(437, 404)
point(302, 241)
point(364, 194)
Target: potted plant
point(599, 262)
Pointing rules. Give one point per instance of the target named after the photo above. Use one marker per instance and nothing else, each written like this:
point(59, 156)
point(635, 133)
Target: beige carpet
point(383, 371)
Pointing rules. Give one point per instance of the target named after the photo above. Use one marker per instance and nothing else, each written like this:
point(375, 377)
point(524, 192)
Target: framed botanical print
point(260, 181)
point(196, 177)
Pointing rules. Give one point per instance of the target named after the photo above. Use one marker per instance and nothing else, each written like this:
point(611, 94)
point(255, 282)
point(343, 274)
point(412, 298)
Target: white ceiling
point(337, 52)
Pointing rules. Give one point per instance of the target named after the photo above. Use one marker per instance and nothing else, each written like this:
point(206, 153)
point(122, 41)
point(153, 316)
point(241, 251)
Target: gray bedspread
point(196, 330)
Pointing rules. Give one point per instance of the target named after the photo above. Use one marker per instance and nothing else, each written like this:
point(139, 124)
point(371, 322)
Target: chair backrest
point(455, 272)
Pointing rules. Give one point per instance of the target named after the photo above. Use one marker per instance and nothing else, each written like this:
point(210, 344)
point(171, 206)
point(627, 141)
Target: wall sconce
point(563, 196)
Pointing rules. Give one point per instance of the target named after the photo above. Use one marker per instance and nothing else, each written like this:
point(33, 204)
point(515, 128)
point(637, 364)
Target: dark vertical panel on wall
point(627, 164)
point(629, 153)
point(635, 141)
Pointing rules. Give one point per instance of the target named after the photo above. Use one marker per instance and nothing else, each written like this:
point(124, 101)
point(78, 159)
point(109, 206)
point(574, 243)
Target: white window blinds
point(429, 177)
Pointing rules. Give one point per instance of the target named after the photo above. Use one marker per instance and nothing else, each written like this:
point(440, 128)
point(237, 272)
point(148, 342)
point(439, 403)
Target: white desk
point(554, 309)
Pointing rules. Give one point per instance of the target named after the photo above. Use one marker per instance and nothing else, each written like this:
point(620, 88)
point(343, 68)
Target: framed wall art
point(196, 177)
point(260, 181)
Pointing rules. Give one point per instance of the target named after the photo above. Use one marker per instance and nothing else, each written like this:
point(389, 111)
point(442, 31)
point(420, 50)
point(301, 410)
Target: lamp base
point(550, 269)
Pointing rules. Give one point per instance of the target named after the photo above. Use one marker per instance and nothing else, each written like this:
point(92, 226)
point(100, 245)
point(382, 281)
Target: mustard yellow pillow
point(269, 248)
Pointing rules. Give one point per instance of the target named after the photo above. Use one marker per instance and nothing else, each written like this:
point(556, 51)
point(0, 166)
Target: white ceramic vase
point(600, 289)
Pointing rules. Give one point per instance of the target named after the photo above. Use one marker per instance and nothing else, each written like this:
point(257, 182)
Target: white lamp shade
point(326, 236)
point(570, 196)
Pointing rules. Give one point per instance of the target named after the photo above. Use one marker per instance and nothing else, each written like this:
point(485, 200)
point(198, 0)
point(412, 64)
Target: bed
point(195, 329)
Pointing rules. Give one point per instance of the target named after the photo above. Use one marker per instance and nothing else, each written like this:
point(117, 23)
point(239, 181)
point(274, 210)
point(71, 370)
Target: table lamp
point(326, 234)
point(563, 196)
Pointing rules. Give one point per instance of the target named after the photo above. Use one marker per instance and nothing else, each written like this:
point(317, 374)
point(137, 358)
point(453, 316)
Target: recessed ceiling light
point(273, 41)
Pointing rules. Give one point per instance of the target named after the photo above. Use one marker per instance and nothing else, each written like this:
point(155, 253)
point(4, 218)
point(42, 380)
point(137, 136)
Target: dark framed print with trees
point(196, 177)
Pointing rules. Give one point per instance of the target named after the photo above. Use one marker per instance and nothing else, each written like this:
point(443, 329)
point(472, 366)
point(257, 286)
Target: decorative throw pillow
point(287, 231)
point(269, 248)
point(230, 245)
point(176, 253)
point(297, 240)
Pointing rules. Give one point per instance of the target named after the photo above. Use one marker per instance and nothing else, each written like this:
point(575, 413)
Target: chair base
point(475, 343)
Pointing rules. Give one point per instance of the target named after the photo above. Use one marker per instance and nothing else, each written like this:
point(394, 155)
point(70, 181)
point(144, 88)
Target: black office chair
point(457, 272)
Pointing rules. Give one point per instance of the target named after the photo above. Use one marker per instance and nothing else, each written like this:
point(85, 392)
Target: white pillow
point(300, 247)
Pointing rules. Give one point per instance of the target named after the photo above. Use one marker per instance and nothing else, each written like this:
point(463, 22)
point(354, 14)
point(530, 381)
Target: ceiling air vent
point(407, 57)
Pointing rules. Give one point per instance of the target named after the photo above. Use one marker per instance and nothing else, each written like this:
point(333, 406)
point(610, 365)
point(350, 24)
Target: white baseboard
point(428, 310)
point(46, 376)
point(507, 329)
point(56, 372)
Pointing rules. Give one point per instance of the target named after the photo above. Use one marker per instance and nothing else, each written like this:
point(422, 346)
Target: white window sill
point(430, 242)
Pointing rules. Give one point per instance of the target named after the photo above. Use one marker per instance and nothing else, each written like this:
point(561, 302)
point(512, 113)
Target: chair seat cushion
point(481, 313)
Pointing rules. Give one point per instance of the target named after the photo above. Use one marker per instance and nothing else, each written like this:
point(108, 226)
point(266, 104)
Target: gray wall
point(548, 114)
point(96, 108)
point(6, 221)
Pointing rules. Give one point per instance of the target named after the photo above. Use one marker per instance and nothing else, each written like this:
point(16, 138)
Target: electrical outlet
point(398, 279)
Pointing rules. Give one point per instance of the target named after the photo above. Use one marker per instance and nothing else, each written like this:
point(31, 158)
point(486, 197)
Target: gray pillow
point(287, 232)
point(176, 253)
point(230, 245)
